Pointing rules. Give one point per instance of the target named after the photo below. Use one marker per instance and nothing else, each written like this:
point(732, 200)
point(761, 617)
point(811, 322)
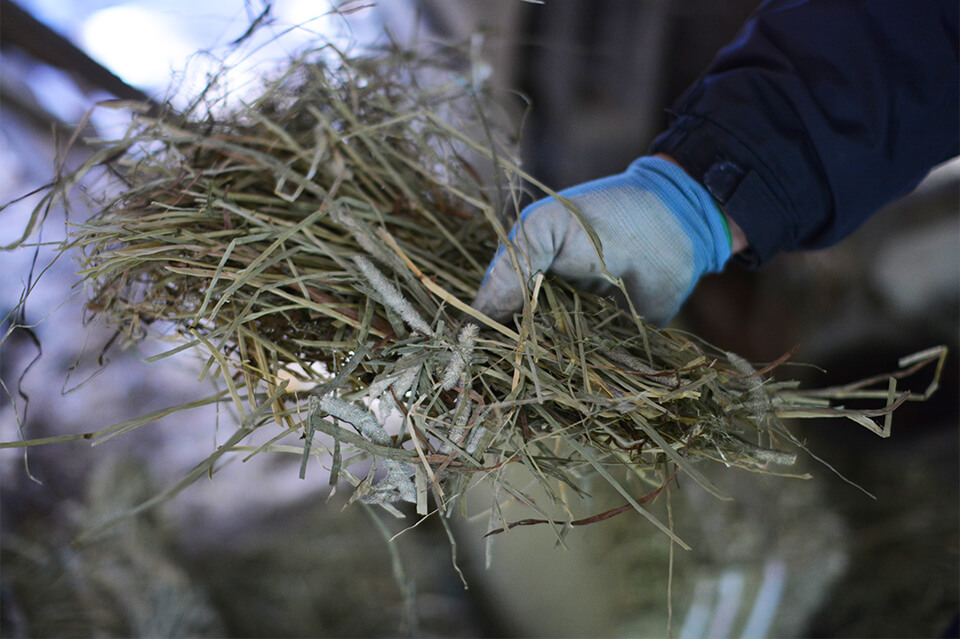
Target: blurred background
point(256, 551)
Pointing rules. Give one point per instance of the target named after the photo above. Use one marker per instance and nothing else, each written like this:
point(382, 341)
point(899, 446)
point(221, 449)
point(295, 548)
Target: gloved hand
point(660, 231)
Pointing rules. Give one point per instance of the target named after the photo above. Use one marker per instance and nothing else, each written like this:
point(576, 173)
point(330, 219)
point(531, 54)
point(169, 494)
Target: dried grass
point(345, 217)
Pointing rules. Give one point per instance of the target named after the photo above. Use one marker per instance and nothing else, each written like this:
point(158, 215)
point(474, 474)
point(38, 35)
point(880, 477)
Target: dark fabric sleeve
point(819, 113)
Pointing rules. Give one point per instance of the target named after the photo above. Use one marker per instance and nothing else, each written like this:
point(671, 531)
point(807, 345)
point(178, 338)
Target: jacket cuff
point(737, 180)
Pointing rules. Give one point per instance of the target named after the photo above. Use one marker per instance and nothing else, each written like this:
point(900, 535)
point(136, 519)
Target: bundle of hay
point(320, 245)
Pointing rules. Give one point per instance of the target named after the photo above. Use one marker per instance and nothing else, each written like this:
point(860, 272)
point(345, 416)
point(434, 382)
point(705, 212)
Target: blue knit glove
point(660, 231)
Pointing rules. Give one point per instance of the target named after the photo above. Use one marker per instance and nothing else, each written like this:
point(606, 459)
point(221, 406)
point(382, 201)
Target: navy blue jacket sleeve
point(819, 113)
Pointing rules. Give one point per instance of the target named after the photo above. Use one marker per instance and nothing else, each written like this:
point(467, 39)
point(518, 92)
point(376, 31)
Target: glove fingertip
point(493, 303)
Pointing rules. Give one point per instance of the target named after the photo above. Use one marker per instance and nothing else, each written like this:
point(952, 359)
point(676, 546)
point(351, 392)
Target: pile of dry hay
point(329, 235)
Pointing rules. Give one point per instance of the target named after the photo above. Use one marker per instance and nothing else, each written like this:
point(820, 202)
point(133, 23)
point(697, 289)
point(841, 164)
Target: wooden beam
point(20, 29)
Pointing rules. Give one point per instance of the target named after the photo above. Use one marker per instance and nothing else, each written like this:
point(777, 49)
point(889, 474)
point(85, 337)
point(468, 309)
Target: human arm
point(816, 115)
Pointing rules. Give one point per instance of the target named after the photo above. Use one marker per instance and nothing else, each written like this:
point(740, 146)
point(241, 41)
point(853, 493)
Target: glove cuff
point(693, 207)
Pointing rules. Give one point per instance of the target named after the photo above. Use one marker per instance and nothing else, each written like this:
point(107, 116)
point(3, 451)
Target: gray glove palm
point(660, 231)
